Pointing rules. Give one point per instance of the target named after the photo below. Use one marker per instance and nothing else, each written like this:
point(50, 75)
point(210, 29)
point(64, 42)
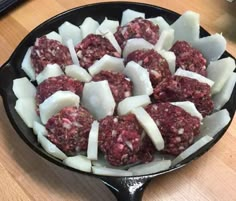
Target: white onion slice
point(26, 108)
point(193, 75)
point(39, 129)
point(51, 70)
point(72, 51)
point(79, 162)
point(150, 127)
point(27, 65)
point(170, 58)
point(212, 47)
point(213, 123)
point(107, 63)
point(129, 15)
point(107, 24)
point(70, 31)
point(140, 78)
point(219, 71)
point(188, 107)
point(23, 88)
point(160, 21)
point(192, 149)
point(78, 73)
point(92, 151)
point(110, 171)
point(54, 36)
point(136, 44)
point(89, 26)
point(165, 40)
point(57, 101)
point(149, 168)
point(98, 99)
point(130, 103)
point(187, 27)
point(50, 148)
point(223, 96)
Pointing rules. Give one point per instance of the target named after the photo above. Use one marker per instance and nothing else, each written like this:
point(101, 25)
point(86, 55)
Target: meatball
point(69, 129)
point(156, 65)
point(120, 86)
point(46, 51)
point(137, 28)
point(178, 88)
point(177, 127)
point(54, 84)
point(93, 48)
point(189, 58)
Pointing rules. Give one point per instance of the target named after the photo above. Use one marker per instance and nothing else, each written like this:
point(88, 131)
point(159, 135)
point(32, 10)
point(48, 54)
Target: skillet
point(124, 188)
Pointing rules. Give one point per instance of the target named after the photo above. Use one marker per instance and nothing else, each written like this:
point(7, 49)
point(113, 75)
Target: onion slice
point(79, 162)
point(57, 101)
point(192, 149)
point(89, 26)
point(26, 108)
point(110, 171)
point(23, 88)
point(128, 104)
point(220, 74)
point(223, 96)
point(27, 65)
point(129, 15)
point(54, 36)
point(78, 73)
point(193, 75)
point(92, 151)
point(149, 168)
point(150, 127)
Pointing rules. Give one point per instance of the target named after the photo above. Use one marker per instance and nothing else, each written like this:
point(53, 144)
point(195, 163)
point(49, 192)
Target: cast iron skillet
point(124, 188)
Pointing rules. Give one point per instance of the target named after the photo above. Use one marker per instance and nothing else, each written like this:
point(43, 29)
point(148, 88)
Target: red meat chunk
point(46, 51)
point(69, 129)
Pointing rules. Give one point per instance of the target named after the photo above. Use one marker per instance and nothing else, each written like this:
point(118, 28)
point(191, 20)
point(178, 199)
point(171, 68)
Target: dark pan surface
point(11, 70)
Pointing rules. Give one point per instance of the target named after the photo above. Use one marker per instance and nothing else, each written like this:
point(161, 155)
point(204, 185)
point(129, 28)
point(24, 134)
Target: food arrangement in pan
point(125, 99)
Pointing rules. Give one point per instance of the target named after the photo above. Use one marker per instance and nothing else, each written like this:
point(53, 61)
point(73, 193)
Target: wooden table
point(26, 176)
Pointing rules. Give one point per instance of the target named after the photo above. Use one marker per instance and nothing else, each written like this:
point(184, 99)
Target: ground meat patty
point(178, 88)
point(177, 127)
point(93, 48)
point(137, 28)
point(120, 86)
point(46, 51)
point(156, 65)
point(53, 84)
point(121, 142)
point(189, 58)
point(69, 129)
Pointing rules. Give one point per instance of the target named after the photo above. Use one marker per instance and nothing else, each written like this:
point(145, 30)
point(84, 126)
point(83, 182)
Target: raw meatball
point(46, 51)
point(120, 86)
point(177, 127)
point(93, 48)
point(137, 28)
point(178, 88)
point(156, 65)
point(189, 58)
point(69, 129)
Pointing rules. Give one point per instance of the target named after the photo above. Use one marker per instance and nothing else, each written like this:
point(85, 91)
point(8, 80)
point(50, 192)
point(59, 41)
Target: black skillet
point(124, 188)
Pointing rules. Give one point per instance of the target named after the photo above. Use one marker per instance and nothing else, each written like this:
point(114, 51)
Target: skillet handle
point(128, 189)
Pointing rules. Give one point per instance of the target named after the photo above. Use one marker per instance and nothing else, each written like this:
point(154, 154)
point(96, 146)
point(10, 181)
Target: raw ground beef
point(53, 84)
point(177, 127)
point(46, 51)
point(69, 129)
point(137, 28)
point(93, 48)
point(156, 65)
point(121, 142)
point(189, 58)
point(178, 88)
point(120, 86)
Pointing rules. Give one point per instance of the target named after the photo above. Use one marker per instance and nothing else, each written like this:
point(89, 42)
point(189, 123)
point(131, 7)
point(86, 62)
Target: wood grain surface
point(26, 176)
